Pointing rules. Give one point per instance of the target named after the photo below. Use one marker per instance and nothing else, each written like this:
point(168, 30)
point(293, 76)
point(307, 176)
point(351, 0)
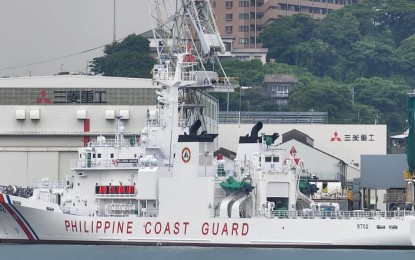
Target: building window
point(244, 28)
point(282, 6)
point(228, 46)
point(244, 16)
point(229, 4)
point(293, 8)
point(228, 29)
point(243, 58)
point(228, 17)
point(243, 3)
point(243, 40)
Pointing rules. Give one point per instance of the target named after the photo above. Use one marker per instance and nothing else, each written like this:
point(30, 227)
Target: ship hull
point(32, 224)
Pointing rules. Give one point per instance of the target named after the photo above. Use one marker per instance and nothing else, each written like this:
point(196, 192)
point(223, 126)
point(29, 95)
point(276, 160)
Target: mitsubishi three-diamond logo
point(335, 137)
point(43, 98)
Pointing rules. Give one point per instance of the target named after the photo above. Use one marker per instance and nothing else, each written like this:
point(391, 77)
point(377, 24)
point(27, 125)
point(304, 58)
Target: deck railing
point(338, 214)
point(47, 183)
point(251, 117)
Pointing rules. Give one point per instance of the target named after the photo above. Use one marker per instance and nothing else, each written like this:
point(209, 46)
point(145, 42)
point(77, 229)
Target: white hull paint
point(32, 225)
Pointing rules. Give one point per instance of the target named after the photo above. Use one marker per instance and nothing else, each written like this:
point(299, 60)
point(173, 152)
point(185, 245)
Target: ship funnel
point(193, 129)
point(257, 127)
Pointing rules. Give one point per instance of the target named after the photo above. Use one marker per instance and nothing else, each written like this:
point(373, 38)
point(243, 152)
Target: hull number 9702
point(362, 226)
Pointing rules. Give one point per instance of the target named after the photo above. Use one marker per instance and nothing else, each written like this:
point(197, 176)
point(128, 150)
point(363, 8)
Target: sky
point(32, 31)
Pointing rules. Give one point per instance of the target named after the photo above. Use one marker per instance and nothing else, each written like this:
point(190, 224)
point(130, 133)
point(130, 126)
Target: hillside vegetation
point(357, 64)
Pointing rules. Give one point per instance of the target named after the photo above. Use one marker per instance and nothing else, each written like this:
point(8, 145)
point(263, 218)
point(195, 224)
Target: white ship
point(166, 188)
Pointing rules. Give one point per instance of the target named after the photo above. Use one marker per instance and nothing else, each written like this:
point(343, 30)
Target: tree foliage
point(387, 97)
point(285, 33)
point(128, 58)
point(406, 54)
point(372, 38)
point(367, 49)
point(322, 95)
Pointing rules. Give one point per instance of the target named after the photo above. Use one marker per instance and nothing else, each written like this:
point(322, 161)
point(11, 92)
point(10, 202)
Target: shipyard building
point(45, 119)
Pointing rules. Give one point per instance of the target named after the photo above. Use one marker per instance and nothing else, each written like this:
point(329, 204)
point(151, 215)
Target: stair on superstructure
point(227, 203)
point(301, 196)
point(235, 213)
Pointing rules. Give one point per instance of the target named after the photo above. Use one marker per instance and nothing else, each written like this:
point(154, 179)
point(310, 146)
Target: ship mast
point(186, 37)
point(178, 23)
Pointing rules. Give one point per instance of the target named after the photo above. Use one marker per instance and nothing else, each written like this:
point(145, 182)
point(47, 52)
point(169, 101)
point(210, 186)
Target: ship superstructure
point(123, 193)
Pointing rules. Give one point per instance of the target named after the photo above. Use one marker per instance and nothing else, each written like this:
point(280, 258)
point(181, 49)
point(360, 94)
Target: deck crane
point(186, 26)
point(186, 39)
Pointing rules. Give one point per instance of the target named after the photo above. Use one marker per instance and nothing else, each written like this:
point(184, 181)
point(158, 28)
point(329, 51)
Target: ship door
point(88, 160)
point(278, 192)
point(154, 137)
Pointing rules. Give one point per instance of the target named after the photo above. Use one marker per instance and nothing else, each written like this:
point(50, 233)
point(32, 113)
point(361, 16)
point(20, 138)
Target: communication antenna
point(114, 39)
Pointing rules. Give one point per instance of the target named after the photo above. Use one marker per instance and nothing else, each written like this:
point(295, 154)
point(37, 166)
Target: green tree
point(322, 95)
point(315, 55)
point(287, 31)
point(406, 54)
point(372, 57)
point(340, 29)
point(388, 98)
point(128, 58)
point(396, 16)
point(246, 73)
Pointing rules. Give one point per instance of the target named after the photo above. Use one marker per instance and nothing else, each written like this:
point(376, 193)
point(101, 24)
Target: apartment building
point(241, 21)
